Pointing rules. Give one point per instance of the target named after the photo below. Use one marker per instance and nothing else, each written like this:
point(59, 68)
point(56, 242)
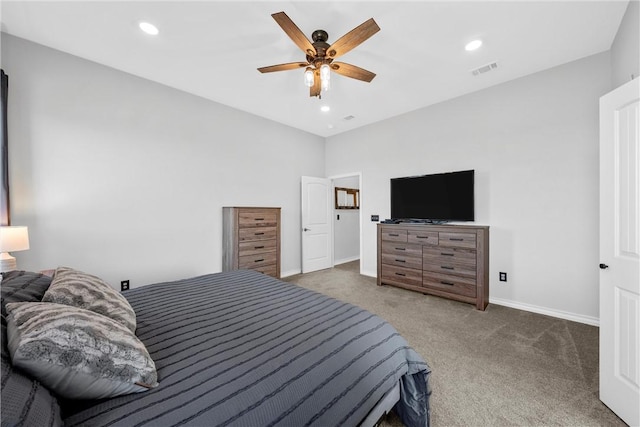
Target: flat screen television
point(437, 197)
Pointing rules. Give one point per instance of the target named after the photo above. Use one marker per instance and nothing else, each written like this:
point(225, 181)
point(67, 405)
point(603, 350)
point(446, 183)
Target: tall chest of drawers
point(251, 239)
point(450, 261)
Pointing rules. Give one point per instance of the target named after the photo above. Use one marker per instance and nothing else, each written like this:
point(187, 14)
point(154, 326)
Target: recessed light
point(149, 28)
point(473, 45)
point(325, 108)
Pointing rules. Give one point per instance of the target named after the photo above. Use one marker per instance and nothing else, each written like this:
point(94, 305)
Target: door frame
point(333, 210)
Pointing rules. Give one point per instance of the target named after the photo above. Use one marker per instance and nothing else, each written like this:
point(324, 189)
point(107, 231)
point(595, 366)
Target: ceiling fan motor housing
point(320, 44)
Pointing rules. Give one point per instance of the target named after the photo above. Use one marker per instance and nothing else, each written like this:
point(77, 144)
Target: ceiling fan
point(320, 55)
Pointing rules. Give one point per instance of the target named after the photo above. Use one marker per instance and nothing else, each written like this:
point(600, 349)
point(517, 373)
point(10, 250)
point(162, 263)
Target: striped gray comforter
point(242, 348)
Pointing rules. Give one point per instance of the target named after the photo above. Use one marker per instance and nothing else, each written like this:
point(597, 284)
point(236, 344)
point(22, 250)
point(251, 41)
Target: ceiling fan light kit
point(320, 55)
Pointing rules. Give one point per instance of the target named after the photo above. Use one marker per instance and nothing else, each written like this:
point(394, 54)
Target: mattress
point(244, 349)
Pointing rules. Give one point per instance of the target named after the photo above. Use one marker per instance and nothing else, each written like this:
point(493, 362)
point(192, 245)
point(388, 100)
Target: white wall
point(533, 143)
point(625, 51)
point(346, 230)
point(126, 178)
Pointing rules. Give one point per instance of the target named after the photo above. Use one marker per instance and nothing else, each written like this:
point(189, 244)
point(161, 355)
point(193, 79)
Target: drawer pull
point(446, 283)
point(259, 260)
point(422, 237)
point(401, 249)
point(456, 239)
point(400, 260)
point(400, 274)
point(446, 268)
point(394, 235)
point(258, 247)
point(259, 234)
point(444, 254)
point(259, 219)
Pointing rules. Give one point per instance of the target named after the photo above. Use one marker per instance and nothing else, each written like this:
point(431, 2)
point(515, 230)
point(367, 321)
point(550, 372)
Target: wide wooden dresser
point(450, 261)
point(251, 239)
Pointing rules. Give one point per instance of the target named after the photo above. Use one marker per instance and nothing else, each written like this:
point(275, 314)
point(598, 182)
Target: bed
point(238, 348)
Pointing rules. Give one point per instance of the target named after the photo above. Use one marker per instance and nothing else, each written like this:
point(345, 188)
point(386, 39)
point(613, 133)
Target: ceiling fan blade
point(353, 38)
point(316, 88)
point(283, 67)
point(294, 33)
point(352, 71)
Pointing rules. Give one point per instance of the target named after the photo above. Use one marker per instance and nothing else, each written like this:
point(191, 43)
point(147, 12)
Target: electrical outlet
point(124, 285)
point(503, 276)
point(375, 218)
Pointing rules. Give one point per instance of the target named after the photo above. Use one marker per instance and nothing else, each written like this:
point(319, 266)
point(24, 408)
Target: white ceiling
point(212, 48)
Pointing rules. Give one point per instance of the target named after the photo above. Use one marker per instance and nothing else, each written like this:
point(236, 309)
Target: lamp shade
point(14, 238)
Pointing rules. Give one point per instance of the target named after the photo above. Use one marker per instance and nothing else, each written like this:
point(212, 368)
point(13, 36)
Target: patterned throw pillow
point(78, 289)
point(77, 353)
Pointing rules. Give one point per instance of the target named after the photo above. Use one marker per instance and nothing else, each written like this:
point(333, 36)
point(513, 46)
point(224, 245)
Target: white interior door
point(317, 234)
point(620, 251)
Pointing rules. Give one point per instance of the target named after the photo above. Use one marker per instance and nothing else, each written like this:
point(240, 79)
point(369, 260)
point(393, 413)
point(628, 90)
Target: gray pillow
point(77, 353)
point(78, 289)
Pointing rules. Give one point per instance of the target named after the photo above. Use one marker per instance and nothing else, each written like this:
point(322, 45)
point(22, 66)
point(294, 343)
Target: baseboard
point(593, 321)
point(370, 274)
point(345, 260)
point(284, 274)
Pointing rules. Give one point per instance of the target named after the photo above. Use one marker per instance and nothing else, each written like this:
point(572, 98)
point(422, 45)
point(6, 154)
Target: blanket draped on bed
point(242, 348)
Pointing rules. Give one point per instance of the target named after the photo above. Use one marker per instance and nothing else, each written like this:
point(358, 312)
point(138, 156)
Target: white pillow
point(78, 289)
point(76, 353)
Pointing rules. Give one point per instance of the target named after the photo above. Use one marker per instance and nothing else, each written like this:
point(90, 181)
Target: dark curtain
point(4, 155)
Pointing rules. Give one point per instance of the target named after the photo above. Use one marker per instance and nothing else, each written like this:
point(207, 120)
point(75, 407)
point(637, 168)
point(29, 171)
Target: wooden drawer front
point(402, 249)
point(394, 235)
point(402, 261)
point(460, 240)
point(257, 260)
point(423, 237)
point(454, 284)
point(267, 269)
point(256, 233)
point(450, 260)
point(256, 247)
point(257, 218)
point(409, 276)
point(451, 269)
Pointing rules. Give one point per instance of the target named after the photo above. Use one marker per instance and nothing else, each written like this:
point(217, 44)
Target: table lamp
point(12, 239)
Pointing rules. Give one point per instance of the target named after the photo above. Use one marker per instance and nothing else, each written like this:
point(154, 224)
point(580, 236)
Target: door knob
point(603, 266)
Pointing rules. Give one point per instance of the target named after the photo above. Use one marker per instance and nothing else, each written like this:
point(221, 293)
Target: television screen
point(436, 197)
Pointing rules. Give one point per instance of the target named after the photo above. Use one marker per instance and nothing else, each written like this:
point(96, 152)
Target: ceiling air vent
point(485, 69)
point(349, 118)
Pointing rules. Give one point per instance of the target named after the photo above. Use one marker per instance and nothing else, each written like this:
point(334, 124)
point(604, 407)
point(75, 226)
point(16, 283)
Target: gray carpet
point(498, 367)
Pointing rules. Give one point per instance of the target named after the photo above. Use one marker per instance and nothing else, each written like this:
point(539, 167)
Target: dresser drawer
point(257, 260)
point(459, 240)
point(402, 261)
point(443, 268)
point(403, 249)
point(422, 237)
point(257, 233)
point(267, 269)
point(447, 283)
point(392, 235)
point(257, 218)
point(450, 260)
point(409, 276)
point(256, 247)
